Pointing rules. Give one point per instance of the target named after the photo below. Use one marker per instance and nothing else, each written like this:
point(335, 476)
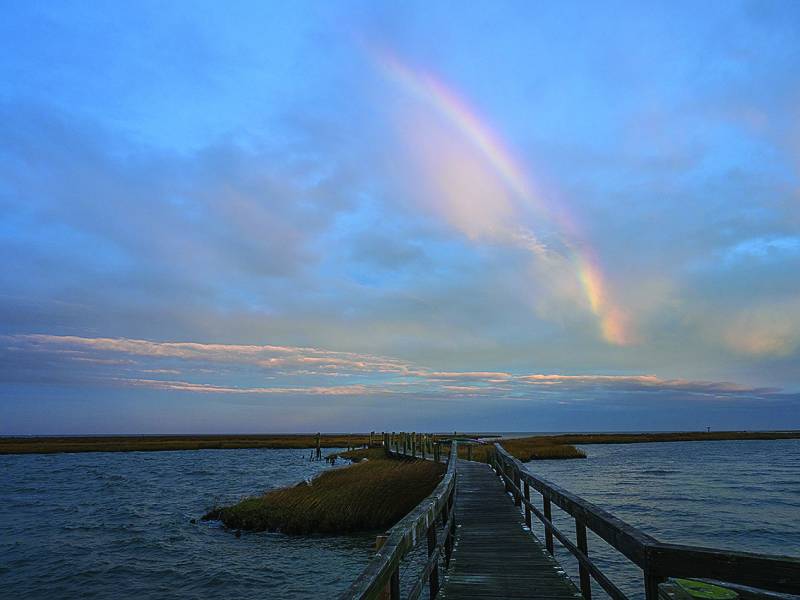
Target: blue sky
point(360, 215)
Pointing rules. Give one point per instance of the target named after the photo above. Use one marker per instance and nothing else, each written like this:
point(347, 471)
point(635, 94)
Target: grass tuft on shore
point(368, 496)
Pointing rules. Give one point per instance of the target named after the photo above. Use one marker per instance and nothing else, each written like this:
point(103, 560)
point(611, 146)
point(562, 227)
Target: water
point(111, 525)
point(737, 495)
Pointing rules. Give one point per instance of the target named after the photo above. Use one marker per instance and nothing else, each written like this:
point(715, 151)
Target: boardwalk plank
point(494, 556)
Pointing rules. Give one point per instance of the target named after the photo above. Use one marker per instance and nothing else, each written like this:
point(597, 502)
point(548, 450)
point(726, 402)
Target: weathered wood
point(775, 573)
point(583, 571)
point(658, 561)
point(548, 528)
point(625, 538)
point(497, 557)
point(433, 578)
point(383, 568)
point(494, 556)
point(528, 522)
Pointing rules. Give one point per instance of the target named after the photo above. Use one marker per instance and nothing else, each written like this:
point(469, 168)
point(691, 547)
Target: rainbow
point(434, 93)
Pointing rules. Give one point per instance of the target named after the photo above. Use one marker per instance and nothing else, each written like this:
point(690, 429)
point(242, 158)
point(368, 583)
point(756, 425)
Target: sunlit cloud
point(207, 388)
point(378, 375)
point(267, 356)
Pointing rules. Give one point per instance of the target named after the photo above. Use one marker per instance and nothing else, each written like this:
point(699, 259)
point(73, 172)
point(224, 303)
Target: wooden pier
point(477, 522)
point(494, 556)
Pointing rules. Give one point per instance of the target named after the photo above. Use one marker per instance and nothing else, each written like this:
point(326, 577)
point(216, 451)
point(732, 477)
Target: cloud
point(207, 388)
point(290, 369)
point(270, 357)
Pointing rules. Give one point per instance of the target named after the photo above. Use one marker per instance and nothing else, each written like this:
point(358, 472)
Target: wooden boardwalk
point(471, 524)
point(494, 557)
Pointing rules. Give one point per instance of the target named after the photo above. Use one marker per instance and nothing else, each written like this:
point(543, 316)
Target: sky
point(353, 216)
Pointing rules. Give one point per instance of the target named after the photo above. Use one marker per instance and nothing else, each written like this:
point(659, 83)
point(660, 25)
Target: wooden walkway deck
point(494, 557)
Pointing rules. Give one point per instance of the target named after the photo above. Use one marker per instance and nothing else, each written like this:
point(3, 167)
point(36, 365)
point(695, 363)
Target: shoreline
point(154, 443)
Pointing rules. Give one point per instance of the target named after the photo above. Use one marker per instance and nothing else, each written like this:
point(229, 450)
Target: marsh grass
point(145, 443)
point(525, 449)
point(367, 496)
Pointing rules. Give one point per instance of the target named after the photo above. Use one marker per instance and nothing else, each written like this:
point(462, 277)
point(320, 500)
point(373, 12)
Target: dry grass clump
point(367, 496)
point(540, 448)
point(144, 443)
point(525, 449)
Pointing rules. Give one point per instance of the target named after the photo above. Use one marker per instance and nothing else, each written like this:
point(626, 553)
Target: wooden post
point(433, 580)
point(651, 583)
point(394, 590)
point(517, 484)
point(405, 442)
point(528, 508)
point(583, 546)
point(386, 593)
point(548, 531)
point(450, 538)
point(422, 445)
point(319, 450)
point(414, 443)
point(469, 452)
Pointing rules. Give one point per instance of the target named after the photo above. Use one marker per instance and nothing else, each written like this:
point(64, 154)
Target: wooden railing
point(656, 560)
point(381, 577)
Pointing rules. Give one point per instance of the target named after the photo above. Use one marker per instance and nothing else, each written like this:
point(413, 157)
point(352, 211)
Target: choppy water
point(113, 525)
point(738, 495)
point(117, 525)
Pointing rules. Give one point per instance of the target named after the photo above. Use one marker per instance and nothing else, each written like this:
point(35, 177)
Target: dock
point(476, 528)
point(495, 555)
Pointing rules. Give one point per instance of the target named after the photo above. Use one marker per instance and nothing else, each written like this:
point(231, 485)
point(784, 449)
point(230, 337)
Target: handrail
point(382, 571)
point(657, 560)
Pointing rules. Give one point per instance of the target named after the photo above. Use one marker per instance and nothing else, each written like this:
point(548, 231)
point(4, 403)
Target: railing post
point(433, 580)
point(469, 452)
point(394, 585)
point(449, 539)
point(651, 583)
point(583, 546)
point(386, 592)
point(517, 484)
point(527, 507)
point(548, 531)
